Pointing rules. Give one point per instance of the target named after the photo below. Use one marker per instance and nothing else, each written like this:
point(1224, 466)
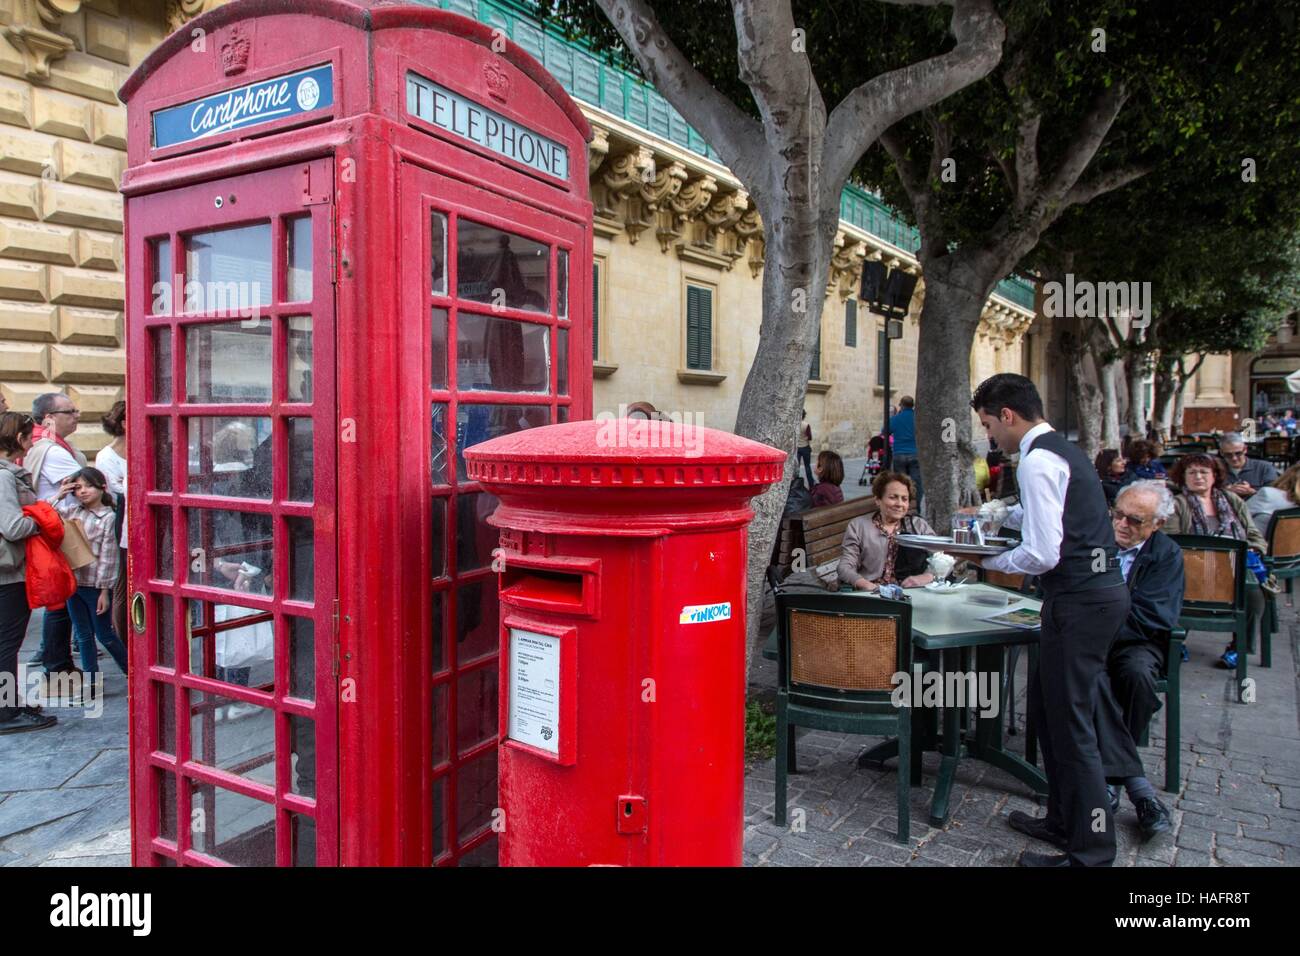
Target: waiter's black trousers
point(1065, 692)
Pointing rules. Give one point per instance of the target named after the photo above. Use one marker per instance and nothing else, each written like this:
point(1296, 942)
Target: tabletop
point(954, 620)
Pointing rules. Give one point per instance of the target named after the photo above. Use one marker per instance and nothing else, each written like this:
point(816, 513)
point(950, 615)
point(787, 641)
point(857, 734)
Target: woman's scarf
point(1229, 526)
point(891, 546)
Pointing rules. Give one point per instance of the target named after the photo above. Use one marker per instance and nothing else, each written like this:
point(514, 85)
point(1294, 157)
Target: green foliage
point(760, 731)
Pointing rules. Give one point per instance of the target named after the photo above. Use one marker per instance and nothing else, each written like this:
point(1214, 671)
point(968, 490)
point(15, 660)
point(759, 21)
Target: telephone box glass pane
point(499, 267)
point(438, 252)
point(232, 644)
point(299, 259)
point(485, 854)
point(302, 658)
point(164, 564)
point(166, 704)
point(438, 629)
point(562, 283)
point(165, 630)
point(230, 550)
point(302, 559)
point(475, 538)
point(161, 279)
point(439, 817)
point(228, 362)
point(501, 355)
point(162, 453)
point(236, 829)
point(233, 736)
point(478, 423)
point(302, 755)
point(476, 795)
point(438, 537)
point(476, 707)
point(438, 348)
point(166, 804)
point(562, 414)
point(230, 457)
point(562, 361)
point(232, 268)
point(299, 339)
point(301, 459)
point(304, 840)
point(162, 364)
point(438, 445)
point(440, 726)
point(476, 620)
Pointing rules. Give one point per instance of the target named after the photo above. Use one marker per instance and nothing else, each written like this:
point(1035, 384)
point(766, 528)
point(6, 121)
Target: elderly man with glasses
point(1152, 565)
point(1245, 475)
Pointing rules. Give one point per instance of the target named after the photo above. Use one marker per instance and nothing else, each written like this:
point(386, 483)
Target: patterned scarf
point(1229, 527)
point(891, 546)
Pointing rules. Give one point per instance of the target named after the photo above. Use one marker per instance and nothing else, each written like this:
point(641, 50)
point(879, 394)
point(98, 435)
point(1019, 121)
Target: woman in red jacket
point(15, 528)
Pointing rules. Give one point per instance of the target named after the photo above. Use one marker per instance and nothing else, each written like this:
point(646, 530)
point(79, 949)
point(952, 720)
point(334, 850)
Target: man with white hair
point(1152, 565)
point(1245, 475)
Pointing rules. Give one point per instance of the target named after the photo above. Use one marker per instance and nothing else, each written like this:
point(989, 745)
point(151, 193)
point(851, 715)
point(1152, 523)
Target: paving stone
point(1240, 858)
point(1189, 857)
point(1194, 838)
point(1261, 847)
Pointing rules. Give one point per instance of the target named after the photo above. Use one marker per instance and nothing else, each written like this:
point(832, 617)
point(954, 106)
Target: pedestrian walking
point(111, 460)
point(16, 491)
point(805, 448)
point(85, 499)
point(902, 427)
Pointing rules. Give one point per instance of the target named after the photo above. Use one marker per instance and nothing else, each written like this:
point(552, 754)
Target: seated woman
point(1282, 493)
point(830, 475)
point(1203, 506)
point(1114, 472)
point(870, 554)
point(1144, 460)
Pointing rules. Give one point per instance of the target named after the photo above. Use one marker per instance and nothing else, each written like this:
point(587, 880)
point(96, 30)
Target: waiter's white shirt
point(1043, 476)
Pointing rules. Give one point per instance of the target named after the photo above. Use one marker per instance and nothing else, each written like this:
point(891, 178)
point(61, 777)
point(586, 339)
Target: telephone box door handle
point(137, 612)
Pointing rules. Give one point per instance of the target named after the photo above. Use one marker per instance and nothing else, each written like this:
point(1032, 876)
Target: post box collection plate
point(535, 689)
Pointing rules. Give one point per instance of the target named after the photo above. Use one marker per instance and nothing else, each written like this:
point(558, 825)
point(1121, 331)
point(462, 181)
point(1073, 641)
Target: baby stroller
point(875, 460)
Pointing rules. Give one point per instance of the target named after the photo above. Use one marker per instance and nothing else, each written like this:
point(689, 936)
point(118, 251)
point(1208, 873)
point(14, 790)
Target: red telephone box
point(358, 242)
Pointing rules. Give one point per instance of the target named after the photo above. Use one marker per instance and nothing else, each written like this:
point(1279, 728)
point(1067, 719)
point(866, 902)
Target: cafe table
point(945, 629)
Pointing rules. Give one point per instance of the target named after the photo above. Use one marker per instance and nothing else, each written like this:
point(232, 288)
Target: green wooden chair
point(1169, 686)
point(835, 657)
point(1215, 596)
point(1283, 561)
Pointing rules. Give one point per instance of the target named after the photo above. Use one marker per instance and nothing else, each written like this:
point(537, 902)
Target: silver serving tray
point(934, 542)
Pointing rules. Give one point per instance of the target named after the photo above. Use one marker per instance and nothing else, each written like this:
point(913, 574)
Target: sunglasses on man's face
point(1234, 454)
point(1133, 521)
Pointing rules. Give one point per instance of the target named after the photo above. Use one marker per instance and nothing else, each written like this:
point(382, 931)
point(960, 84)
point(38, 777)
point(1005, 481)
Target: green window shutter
point(699, 327)
point(851, 323)
point(595, 310)
point(815, 366)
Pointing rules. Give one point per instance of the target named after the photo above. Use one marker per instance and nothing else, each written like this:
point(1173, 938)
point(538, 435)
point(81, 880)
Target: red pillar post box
point(623, 566)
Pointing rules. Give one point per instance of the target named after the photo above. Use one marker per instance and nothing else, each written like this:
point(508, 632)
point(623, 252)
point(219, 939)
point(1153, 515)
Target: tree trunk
point(1134, 372)
point(1180, 396)
point(796, 266)
point(1087, 396)
point(949, 320)
point(1110, 373)
point(1163, 413)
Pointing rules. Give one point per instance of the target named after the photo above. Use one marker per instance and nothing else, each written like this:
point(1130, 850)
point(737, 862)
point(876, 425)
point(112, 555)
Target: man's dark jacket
point(1155, 586)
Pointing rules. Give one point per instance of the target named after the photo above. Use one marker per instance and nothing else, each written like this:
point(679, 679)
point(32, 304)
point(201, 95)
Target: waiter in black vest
point(1067, 541)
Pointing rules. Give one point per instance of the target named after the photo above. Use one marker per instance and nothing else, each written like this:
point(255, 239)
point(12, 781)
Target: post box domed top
point(625, 453)
point(369, 16)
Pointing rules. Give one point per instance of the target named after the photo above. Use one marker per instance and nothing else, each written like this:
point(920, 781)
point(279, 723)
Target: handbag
point(76, 546)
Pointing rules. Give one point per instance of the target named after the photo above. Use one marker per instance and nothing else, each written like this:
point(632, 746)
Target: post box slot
point(551, 587)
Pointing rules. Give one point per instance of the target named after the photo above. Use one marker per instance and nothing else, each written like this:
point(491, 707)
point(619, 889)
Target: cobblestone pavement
point(63, 791)
point(1239, 804)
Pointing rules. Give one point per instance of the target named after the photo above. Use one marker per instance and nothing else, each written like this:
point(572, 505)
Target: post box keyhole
point(220, 201)
point(627, 809)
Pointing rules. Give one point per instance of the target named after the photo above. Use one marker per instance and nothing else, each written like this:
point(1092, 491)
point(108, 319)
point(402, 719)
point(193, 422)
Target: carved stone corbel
point(597, 150)
point(680, 211)
point(34, 33)
point(651, 197)
point(749, 234)
point(619, 176)
point(181, 12)
point(846, 264)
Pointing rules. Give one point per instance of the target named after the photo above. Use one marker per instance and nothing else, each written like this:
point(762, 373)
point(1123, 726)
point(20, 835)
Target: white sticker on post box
point(535, 689)
point(704, 613)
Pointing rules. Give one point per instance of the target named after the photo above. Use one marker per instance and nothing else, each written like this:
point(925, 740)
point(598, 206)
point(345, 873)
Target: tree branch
point(1087, 140)
point(870, 109)
point(916, 186)
point(737, 138)
point(1107, 182)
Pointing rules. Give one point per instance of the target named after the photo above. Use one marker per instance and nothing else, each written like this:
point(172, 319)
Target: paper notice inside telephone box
point(535, 689)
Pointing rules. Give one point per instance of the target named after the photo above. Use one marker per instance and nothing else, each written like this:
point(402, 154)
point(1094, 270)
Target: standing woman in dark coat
point(16, 490)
